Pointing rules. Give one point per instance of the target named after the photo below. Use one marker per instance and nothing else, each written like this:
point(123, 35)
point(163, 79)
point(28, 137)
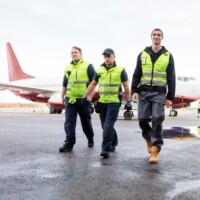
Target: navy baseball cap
point(108, 51)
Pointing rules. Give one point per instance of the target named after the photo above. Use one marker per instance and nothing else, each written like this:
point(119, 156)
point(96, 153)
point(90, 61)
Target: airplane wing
point(25, 90)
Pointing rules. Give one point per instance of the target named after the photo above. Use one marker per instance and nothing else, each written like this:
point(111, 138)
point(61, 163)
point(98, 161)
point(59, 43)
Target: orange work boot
point(149, 145)
point(154, 155)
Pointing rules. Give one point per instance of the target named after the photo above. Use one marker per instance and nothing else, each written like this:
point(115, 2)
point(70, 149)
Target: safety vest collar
point(77, 63)
point(104, 65)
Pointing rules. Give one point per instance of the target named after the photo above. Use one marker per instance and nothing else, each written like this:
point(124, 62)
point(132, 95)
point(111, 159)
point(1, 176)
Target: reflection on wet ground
point(184, 186)
point(182, 132)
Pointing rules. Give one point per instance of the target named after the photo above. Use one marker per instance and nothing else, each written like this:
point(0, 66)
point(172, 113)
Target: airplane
point(187, 91)
point(47, 90)
point(41, 90)
point(44, 90)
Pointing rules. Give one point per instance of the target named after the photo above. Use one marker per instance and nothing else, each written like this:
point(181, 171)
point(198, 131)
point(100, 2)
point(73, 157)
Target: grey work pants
point(151, 114)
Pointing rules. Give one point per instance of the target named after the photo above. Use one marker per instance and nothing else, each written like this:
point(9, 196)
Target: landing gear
point(173, 113)
point(52, 110)
point(55, 111)
point(58, 111)
point(128, 115)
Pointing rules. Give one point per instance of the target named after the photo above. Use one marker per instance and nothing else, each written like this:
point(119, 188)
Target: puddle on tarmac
point(181, 132)
point(95, 164)
point(184, 186)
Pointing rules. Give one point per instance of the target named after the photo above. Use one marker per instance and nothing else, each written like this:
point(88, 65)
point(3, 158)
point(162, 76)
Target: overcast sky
point(42, 32)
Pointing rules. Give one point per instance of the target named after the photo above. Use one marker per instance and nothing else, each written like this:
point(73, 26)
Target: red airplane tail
point(14, 69)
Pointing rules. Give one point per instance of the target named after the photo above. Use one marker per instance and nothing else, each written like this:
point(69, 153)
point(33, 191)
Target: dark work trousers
point(108, 116)
point(71, 111)
point(151, 109)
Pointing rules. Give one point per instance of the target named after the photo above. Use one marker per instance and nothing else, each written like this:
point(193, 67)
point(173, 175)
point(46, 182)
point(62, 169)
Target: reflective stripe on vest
point(77, 79)
point(154, 75)
point(109, 84)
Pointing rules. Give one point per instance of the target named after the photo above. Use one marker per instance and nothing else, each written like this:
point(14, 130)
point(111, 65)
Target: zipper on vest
point(152, 74)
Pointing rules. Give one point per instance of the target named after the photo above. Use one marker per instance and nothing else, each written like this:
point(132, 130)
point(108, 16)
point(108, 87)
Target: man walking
point(110, 77)
point(77, 77)
point(153, 84)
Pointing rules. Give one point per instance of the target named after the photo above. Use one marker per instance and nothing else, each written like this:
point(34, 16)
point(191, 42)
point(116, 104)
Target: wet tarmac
point(32, 168)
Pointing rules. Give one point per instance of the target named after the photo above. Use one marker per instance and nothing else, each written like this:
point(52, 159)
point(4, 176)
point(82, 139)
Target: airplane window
point(192, 79)
point(180, 78)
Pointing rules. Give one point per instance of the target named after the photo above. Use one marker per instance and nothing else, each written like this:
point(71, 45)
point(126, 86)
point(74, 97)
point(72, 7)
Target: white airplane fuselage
point(188, 88)
point(48, 90)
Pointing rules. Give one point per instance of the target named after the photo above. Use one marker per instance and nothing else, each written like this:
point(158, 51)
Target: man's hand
point(63, 99)
point(168, 103)
point(128, 105)
point(135, 96)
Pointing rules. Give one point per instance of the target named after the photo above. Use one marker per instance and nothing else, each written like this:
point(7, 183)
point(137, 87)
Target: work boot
point(67, 147)
point(105, 154)
point(149, 145)
point(113, 148)
point(90, 144)
point(154, 155)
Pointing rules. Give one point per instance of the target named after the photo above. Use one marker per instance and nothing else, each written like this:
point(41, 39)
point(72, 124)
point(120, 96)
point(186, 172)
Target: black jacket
point(171, 76)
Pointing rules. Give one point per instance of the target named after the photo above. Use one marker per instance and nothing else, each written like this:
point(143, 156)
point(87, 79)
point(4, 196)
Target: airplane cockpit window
point(184, 78)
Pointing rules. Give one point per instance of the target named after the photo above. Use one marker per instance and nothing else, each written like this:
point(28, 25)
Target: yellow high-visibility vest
point(109, 84)
point(154, 75)
point(77, 79)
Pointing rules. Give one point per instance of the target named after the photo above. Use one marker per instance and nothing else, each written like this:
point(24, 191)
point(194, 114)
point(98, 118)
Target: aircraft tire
point(52, 110)
point(173, 113)
point(128, 115)
point(58, 111)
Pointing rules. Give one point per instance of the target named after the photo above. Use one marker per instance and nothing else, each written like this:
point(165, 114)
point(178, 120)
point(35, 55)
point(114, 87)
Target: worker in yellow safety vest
point(110, 78)
point(77, 77)
point(153, 85)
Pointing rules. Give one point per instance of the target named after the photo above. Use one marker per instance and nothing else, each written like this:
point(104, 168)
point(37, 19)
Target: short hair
point(78, 48)
point(157, 29)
